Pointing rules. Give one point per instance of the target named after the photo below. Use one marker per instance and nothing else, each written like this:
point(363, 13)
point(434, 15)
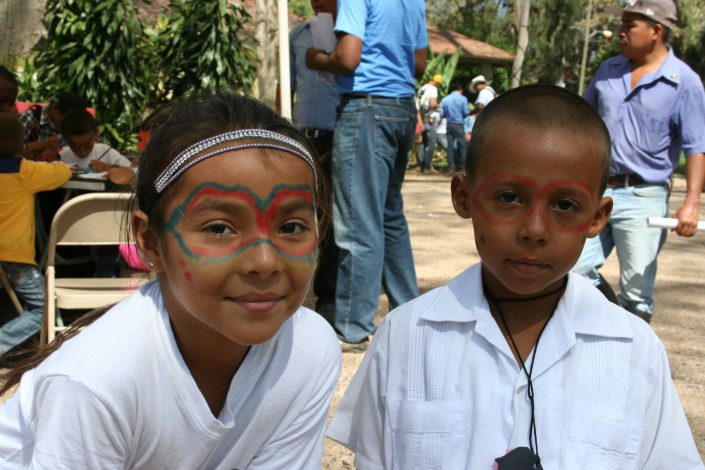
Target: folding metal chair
point(88, 220)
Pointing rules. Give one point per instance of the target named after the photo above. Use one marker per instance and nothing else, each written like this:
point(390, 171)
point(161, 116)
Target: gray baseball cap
point(661, 11)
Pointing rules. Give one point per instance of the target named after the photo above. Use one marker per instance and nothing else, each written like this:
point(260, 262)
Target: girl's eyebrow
point(220, 204)
point(290, 203)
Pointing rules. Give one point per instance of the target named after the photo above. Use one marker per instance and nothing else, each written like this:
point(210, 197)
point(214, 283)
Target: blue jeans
point(373, 137)
point(637, 245)
point(428, 144)
point(28, 284)
point(456, 141)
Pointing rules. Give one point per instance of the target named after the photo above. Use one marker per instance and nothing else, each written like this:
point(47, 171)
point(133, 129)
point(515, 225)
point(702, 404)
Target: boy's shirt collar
point(10, 165)
point(579, 311)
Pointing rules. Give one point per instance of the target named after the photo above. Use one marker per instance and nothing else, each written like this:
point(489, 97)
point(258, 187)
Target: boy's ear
point(147, 241)
point(460, 193)
point(602, 215)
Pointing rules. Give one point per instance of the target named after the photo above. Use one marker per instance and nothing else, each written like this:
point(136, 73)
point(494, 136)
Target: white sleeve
point(484, 97)
point(300, 444)
point(116, 158)
point(668, 441)
point(74, 429)
point(65, 155)
point(360, 422)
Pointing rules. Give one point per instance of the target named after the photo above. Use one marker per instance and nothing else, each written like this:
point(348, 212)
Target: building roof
point(473, 51)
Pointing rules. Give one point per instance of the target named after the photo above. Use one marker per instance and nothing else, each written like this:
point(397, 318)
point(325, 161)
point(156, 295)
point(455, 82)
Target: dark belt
point(359, 96)
point(630, 179)
point(318, 133)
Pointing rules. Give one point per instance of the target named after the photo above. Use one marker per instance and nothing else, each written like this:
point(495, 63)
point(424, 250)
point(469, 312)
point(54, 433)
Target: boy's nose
point(534, 227)
point(261, 259)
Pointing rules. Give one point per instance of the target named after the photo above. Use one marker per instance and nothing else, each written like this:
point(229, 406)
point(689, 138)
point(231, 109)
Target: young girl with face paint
point(216, 364)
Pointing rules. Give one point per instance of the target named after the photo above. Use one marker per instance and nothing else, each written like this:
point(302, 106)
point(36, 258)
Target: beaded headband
point(259, 138)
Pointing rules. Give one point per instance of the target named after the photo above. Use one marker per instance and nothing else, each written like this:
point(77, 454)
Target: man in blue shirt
point(654, 106)
point(382, 44)
point(314, 114)
point(454, 108)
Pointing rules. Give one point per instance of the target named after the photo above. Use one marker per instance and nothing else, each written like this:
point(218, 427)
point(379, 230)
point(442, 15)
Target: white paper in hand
point(322, 32)
point(667, 222)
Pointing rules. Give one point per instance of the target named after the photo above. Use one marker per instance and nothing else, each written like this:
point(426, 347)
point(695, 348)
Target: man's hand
point(687, 217)
point(688, 214)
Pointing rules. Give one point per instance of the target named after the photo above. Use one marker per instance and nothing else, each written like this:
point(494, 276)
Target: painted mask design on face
point(269, 226)
point(509, 198)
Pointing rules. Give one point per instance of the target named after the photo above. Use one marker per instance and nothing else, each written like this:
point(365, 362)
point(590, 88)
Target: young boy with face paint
point(517, 364)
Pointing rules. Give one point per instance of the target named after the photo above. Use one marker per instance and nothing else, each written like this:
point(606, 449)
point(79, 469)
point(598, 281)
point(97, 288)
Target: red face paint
point(509, 198)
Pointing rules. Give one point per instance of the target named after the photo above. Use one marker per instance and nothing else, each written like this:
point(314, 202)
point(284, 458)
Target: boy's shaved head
point(539, 107)
point(11, 135)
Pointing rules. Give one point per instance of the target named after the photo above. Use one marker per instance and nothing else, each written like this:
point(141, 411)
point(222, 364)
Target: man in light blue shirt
point(382, 45)
point(654, 106)
point(314, 114)
point(454, 108)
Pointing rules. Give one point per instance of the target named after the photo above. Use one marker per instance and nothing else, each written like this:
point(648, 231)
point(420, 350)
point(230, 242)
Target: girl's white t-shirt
point(102, 152)
point(119, 395)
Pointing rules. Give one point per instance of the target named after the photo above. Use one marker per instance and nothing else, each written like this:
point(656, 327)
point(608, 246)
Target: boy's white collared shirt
point(440, 388)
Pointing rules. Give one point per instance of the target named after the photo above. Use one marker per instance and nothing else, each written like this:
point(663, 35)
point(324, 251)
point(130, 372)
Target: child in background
point(19, 181)
point(80, 132)
point(216, 364)
point(8, 91)
point(42, 126)
point(518, 363)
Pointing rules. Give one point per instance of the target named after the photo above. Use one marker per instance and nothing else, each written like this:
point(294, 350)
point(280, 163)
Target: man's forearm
point(695, 178)
point(342, 61)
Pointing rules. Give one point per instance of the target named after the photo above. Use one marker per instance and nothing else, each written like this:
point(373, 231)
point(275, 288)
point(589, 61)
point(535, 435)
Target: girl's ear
point(460, 193)
point(147, 241)
point(602, 215)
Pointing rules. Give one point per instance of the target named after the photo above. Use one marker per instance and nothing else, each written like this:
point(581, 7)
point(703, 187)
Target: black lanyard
point(521, 457)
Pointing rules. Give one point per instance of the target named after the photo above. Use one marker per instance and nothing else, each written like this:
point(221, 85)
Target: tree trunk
point(20, 27)
point(522, 8)
point(265, 19)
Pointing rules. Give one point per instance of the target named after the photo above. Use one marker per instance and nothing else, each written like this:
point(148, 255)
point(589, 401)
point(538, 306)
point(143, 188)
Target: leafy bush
point(98, 49)
point(204, 46)
point(101, 49)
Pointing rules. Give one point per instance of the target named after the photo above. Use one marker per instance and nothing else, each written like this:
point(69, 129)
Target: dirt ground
point(443, 246)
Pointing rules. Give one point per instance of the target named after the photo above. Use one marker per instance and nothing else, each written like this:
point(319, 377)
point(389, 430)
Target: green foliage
point(301, 8)
point(204, 46)
point(441, 64)
point(27, 78)
point(483, 20)
point(689, 40)
point(96, 49)
point(101, 49)
point(554, 41)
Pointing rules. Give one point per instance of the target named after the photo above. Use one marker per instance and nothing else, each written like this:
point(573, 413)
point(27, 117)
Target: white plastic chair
point(87, 220)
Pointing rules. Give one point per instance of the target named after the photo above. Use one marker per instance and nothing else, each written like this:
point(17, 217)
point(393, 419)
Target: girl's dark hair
point(180, 124)
point(196, 118)
point(78, 122)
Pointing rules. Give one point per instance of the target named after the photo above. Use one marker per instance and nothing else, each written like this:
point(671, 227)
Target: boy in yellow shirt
point(19, 180)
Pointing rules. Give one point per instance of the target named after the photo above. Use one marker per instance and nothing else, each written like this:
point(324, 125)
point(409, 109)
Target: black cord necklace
point(521, 457)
